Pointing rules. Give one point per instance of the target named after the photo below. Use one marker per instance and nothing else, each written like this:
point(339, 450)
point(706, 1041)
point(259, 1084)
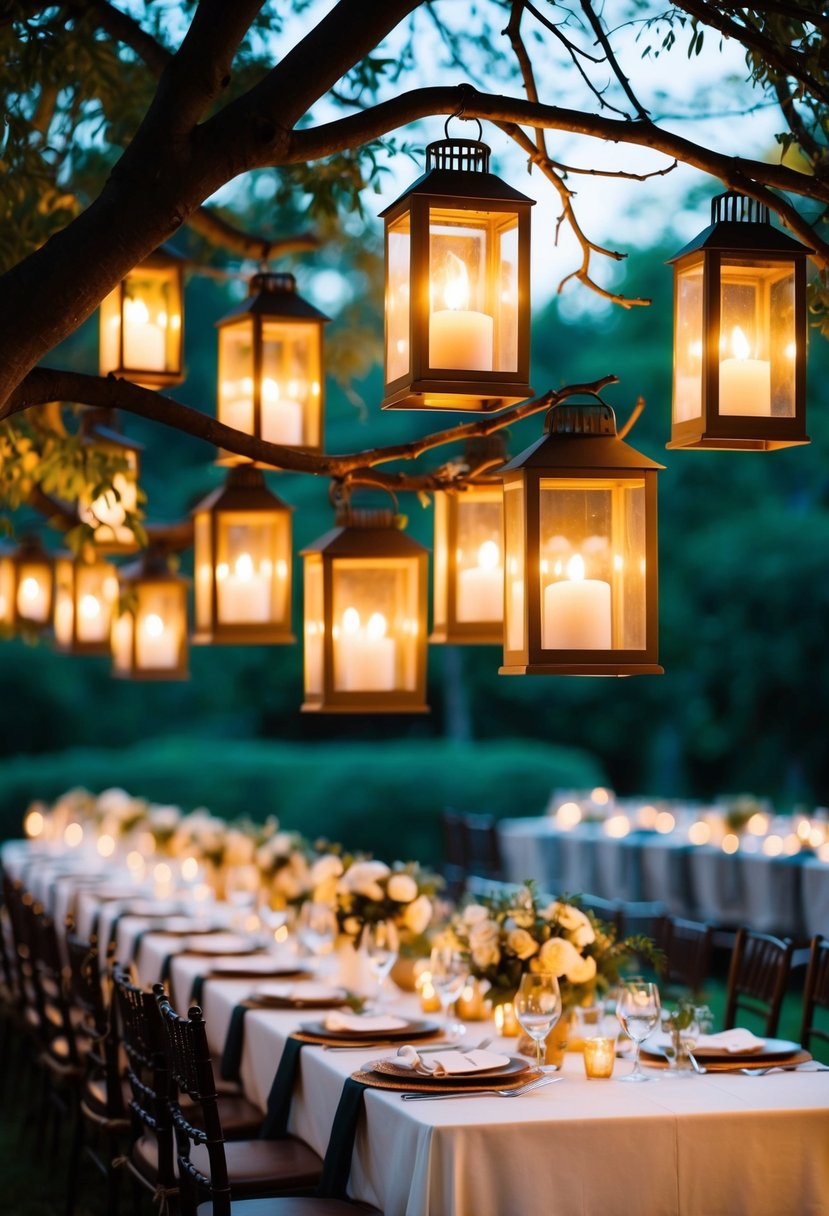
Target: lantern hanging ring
point(459, 114)
point(354, 481)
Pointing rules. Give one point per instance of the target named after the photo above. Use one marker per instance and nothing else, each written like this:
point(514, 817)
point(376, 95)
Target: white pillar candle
point(576, 612)
point(281, 416)
point(462, 339)
point(156, 644)
point(63, 619)
point(32, 598)
point(366, 657)
point(237, 412)
point(481, 587)
point(243, 593)
point(93, 619)
point(745, 384)
point(144, 342)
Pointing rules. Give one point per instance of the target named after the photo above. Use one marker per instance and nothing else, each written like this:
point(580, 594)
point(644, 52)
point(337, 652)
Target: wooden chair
point(481, 848)
point(454, 854)
point(757, 978)
point(208, 1165)
point(687, 945)
point(816, 993)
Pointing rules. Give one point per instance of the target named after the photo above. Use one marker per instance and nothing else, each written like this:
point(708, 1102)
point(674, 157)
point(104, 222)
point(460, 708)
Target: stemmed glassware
point(638, 1010)
point(537, 1006)
point(380, 944)
point(317, 928)
point(274, 919)
point(449, 970)
point(242, 883)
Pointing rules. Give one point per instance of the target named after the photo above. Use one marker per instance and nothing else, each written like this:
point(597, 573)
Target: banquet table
point(716, 1145)
point(770, 894)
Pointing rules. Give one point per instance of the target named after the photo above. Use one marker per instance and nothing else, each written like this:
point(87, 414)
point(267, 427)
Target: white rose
point(583, 971)
point(418, 914)
point(164, 818)
point(115, 802)
point(326, 867)
point(362, 878)
point(351, 926)
point(238, 848)
point(522, 944)
point(474, 914)
point(486, 955)
point(558, 956)
point(282, 844)
point(573, 921)
point(325, 892)
point(482, 935)
point(402, 888)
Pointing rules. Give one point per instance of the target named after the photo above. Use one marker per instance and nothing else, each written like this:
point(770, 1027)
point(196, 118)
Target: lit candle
point(458, 336)
point(745, 384)
point(366, 657)
point(32, 598)
point(156, 644)
point(93, 619)
point(481, 587)
point(429, 999)
point(576, 611)
point(281, 416)
point(243, 592)
point(599, 1057)
point(238, 411)
point(144, 342)
point(506, 1022)
point(471, 1005)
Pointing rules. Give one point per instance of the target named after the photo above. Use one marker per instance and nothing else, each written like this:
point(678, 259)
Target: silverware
point(421, 1051)
point(695, 1064)
point(443, 1045)
point(762, 1072)
point(484, 1093)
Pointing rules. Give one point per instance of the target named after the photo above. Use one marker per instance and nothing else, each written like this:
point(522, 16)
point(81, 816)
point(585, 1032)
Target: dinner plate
point(220, 943)
point(412, 1030)
point(388, 1068)
point(773, 1049)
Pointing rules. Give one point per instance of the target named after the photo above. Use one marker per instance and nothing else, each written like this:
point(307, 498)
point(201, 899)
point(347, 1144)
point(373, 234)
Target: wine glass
point(537, 1006)
point(274, 915)
point(380, 943)
point(638, 1010)
point(449, 970)
point(242, 883)
point(317, 928)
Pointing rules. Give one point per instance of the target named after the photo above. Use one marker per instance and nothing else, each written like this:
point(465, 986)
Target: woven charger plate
point(737, 1063)
point(332, 1040)
point(391, 1068)
point(427, 1085)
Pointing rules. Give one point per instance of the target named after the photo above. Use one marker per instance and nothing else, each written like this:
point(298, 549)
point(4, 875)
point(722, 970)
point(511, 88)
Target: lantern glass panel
point(34, 591)
point(757, 338)
point(147, 306)
point(473, 290)
point(314, 625)
point(375, 624)
point(121, 638)
point(251, 567)
point(688, 343)
point(514, 602)
point(6, 591)
point(398, 261)
point(441, 560)
point(592, 564)
point(236, 375)
point(64, 601)
point(160, 621)
point(480, 556)
point(96, 591)
point(109, 333)
point(203, 549)
point(291, 383)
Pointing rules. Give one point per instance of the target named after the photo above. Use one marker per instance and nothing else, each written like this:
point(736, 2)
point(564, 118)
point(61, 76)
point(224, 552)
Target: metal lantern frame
point(149, 572)
point(244, 494)
point(99, 429)
point(740, 231)
point(71, 587)
point(272, 297)
point(15, 560)
point(457, 178)
point(580, 449)
point(362, 538)
point(162, 263)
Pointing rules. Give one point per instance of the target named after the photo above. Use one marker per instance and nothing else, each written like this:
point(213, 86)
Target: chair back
point(98, 1019)
point(454, 854)
point(757, 978)
point(50, 978)
point(687, 945)
point(482, 850)
point(191, 1068)
point(816, 992)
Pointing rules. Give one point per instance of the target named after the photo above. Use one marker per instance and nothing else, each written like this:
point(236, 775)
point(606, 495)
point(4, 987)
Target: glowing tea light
point(135, 862)
point(105, 845)
point(429, 999)
point(600, 796)
point(481, 587)
point(699, 832)
point(730, 843)
point(162, 880)
point(758, 824)
point(366, 656)
point(33, 824)
point(646, 817)
point(665, 822)
point(773, 845)
point(244, 592)
point(816, 837)
point(157, 646)
point(576, 611)
point(73, 835)
point(505, 1020)
point(281, 416)
point(32, 599)
point(745, 383)
point(616, 826)
point(144, 341)
point(458, 337)
point(791, 844)
point(190, 869)
point(568, 815)
point(599, 1058)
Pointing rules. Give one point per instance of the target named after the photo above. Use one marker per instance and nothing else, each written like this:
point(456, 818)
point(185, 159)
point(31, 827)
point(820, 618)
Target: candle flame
point(575, 568)
point(136, 312)
point(456, 286)
point(244, 567)
point(376, 627)
point(351, 621)
point(270, 389)
point(29, 589)
point(739, 344)
point(489, 556)
point(153, 625)
point(89, 607)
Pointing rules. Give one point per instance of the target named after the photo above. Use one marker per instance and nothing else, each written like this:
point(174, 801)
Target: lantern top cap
point(244, 490)
point(742, 225)
point(275, 295)
point(462, 155)
point(31, 548)
point(459, 169)
point(363, 533)
point(580, 436)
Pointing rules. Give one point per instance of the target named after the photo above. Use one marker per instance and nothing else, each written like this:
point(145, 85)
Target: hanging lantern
point(243, 562)
point(581, 560)
point(468, 605)
point(86, 594)
point(149, 633)
point(270, 366)
point(740, 333)
point(365, 617)
point(26, 586)
point(457, 286)
point(141, 319)
point(108, 512)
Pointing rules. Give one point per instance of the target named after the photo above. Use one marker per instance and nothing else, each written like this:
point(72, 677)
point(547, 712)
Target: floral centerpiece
point(370, 891)
point(506, 935)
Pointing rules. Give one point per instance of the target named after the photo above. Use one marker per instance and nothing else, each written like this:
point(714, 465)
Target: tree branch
point(219, 231)
point(604, 42)
point(125, 29)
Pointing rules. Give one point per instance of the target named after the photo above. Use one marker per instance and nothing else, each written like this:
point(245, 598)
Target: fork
point(762, 1072)
point(485, 1093)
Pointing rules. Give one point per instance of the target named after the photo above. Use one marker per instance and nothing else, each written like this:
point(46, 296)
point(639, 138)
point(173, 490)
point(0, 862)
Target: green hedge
point(385, 797)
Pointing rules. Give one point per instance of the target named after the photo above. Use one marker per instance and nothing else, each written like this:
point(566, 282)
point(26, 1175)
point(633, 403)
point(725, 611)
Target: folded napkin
point(449, 1063)
point(266, 964)
point(299, 992)
point(361, 1023)
point(735, 1042)
point(211, 942)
